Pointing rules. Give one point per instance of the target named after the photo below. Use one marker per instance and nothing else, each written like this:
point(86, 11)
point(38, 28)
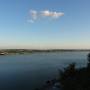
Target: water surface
point(26, 72)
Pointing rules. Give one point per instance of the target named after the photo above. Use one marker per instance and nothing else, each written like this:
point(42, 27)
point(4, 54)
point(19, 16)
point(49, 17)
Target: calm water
point(25, 72)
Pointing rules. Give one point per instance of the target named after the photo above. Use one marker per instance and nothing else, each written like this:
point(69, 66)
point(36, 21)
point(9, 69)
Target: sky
point(45, 24)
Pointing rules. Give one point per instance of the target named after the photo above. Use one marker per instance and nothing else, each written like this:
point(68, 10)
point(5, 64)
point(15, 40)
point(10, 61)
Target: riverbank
point(29, 51)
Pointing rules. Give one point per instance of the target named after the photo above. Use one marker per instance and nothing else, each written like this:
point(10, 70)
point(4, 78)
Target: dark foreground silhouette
point(75, 79)
point(71, 78)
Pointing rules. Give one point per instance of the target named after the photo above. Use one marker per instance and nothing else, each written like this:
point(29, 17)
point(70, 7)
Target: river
point(26, 72)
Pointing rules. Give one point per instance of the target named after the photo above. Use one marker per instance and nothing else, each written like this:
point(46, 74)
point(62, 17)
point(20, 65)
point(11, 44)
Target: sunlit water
point(26, 72)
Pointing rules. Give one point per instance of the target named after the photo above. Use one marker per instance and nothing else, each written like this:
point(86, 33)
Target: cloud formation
point(48, 13)
point(33, 14)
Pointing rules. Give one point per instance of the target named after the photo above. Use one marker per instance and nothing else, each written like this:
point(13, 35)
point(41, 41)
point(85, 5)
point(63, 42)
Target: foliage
point(75, 79)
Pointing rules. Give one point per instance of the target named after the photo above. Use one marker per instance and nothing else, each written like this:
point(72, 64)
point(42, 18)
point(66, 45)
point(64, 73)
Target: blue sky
point(20, 29)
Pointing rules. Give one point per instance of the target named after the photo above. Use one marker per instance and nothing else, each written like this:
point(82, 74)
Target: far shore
point(29, 51)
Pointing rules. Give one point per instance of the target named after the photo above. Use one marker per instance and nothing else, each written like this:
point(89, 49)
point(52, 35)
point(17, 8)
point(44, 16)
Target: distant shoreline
point(29, 51)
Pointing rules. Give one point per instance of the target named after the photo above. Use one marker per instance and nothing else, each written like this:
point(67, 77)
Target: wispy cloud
point(51, 14)
point(34, 15)
point(30, 21)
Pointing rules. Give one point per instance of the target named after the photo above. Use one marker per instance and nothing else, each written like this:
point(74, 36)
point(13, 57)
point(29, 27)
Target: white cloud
point(33, 14)
point(48, 13)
